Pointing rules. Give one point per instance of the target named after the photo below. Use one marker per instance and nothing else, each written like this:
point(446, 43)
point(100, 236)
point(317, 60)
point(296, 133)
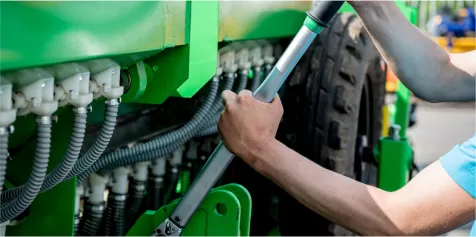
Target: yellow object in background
point(459, 45)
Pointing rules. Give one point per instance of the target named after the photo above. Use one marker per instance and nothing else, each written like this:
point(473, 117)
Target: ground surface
point(438, 129)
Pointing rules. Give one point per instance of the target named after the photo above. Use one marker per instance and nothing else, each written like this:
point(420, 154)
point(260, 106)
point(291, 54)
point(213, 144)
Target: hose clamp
point(119, 197)
point(44, 119)
point(114, 101)
point(80, 110)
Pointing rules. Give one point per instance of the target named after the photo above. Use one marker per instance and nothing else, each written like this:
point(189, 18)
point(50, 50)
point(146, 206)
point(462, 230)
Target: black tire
point(322, 103)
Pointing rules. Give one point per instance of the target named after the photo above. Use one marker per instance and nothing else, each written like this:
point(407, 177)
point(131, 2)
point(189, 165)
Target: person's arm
point(431, 204)
point(421, 64)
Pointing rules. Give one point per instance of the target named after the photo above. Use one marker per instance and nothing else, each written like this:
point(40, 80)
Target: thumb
point(228, 97)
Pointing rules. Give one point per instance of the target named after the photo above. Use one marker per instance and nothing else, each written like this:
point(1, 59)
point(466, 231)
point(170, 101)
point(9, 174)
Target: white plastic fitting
point(268, 55)
point(256, 57)
point(3, 228)
point(105, 82)
point(79, 193)
point(140, 171)
point(7, 113)
point(158, 166)
point(219, 68)
point(120, 180)
point(227, 61)
point(97, 187)
point(38, 96)
point(242, 58)
point(176, 158)
point(73, 85)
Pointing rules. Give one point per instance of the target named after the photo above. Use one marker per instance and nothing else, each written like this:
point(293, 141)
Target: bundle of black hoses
point(70, 165)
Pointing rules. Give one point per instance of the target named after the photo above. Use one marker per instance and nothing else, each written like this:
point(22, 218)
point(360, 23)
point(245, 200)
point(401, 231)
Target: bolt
point(155, 68)
point(158, 231)
point(177, 218)
point(11, 129)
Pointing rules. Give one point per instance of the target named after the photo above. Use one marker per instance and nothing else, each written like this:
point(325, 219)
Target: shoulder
point(460, 164)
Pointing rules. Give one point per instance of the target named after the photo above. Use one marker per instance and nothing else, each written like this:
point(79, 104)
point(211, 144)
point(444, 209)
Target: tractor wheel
point(332, 115)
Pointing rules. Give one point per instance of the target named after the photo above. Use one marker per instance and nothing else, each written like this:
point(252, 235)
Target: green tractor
point(108, 114)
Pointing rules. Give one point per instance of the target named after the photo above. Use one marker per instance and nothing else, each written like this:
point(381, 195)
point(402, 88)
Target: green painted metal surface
point(52, 212)
point(182, 71)
point(402, 112)
point(394, 163)
point(40, 33)
point(225, 211)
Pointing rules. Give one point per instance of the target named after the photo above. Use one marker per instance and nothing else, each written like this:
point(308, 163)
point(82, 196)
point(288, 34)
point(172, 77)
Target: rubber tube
point(3, 156)
point(37, 175)
point(92, 219)
point(256, 78)
point(66, 164)
point(115, 215)
point(127, 156)
point(135, 201)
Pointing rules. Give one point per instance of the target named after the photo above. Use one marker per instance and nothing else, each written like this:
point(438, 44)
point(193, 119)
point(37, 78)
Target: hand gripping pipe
point(68, 161)
point(318, 17)
point(158, 147)
point(38, 173)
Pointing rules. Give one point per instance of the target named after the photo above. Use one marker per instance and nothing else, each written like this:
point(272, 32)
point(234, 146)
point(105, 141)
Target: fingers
point(228, 97)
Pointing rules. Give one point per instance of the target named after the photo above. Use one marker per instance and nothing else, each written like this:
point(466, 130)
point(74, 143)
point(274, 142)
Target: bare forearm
point(419, 62)
point(356, 206)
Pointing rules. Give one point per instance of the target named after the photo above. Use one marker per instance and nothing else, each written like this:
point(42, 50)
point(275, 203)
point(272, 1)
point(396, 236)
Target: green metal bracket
point(226, 211)
point(183, 70)
point(394, 163)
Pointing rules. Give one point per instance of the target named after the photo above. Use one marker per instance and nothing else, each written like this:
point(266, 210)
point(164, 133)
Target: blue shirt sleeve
point(460, 164)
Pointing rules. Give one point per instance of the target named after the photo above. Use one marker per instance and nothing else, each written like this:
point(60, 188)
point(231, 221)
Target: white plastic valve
point(105, 79)
point(97, 187)
point(140, 171)
point(7, 112)
point(256, 56)
point(267, 51)
point(227, 61)
point(158, 166)
point(177, 156)
point(38, 95)
point(242, 58)
point(73, 85)
point(120, 180)
point(79, 193)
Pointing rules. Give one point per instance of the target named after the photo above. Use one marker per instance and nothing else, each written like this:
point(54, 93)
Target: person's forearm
point(419, 62)
point(353, 205)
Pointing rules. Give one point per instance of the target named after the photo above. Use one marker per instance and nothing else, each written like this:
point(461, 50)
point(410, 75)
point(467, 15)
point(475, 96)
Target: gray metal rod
point(221, 157)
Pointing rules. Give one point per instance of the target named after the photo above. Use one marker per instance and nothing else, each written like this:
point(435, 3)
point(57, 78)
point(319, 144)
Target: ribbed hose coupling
point(135, 200)
point(115, 215)
point(4, 133)
point(155, 192)
point(38, 172)
point(92, 218)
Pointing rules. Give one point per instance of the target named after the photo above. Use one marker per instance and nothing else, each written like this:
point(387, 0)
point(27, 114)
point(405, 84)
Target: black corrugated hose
point(115, 213)
point(135, 201)
point(92, 219)
point(37, 175)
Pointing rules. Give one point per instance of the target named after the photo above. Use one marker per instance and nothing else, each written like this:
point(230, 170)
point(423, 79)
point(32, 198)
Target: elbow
point(429, 96)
